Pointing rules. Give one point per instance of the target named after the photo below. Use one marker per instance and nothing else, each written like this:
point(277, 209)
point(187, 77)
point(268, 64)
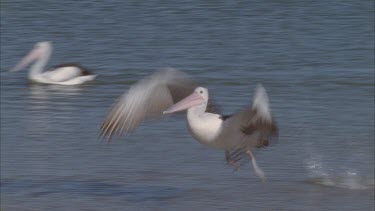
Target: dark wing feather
point(225, 117)
point(84, 70)
point(255, 122)
point(259, 129)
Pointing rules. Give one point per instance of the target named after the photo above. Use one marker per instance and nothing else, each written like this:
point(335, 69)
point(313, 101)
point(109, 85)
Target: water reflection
point(50, 107)
point(42, 91)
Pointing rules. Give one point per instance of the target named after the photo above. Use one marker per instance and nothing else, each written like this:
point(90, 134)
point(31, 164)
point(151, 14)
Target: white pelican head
point(198, 98)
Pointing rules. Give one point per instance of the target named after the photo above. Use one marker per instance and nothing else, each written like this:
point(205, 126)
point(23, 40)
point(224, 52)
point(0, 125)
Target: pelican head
point(198, 98)
point(40, 49)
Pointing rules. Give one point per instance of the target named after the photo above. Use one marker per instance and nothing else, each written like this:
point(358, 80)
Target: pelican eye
point(201, 92)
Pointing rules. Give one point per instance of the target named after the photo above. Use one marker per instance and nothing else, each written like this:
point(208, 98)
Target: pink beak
point(34, 54)
point(188, 102)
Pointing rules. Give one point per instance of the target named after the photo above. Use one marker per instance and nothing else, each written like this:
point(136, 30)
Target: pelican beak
point(188, 102)
point(34, 54)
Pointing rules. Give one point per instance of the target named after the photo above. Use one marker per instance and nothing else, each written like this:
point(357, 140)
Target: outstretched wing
point(145, 100)
point(254, 124)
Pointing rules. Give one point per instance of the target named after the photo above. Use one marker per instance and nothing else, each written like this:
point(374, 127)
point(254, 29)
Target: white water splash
point(322, 175)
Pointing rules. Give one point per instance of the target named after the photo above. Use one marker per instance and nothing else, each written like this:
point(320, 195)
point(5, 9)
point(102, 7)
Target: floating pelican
point(170, 91)
point(64, 74)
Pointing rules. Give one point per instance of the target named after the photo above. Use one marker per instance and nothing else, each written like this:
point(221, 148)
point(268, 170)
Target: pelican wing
point(145, 100)
point(254, 124)
point(62, 74)
point(65, 72)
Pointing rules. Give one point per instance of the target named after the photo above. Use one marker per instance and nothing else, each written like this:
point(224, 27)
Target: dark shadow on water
point(90, 188)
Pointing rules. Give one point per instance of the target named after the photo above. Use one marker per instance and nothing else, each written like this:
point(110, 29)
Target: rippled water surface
point(315, 58)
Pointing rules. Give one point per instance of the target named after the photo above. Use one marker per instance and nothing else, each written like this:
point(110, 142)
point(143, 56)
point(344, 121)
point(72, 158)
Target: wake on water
point(348, 180)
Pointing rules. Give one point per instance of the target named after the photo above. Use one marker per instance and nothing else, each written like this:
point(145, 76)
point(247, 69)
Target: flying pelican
point(64, 74)
point(171, 91)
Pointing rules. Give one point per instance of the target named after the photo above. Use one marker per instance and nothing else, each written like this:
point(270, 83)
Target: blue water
point(315, 58)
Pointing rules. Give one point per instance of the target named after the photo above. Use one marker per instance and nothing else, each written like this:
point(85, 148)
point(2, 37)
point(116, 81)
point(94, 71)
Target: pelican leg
point(257, 170)
point(231, 161)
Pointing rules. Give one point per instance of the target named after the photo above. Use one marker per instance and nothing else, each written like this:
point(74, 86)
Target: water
point(315, 58)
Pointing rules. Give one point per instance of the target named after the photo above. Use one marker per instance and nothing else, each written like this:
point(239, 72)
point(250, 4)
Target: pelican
point(64, 74)
point(170, 91)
